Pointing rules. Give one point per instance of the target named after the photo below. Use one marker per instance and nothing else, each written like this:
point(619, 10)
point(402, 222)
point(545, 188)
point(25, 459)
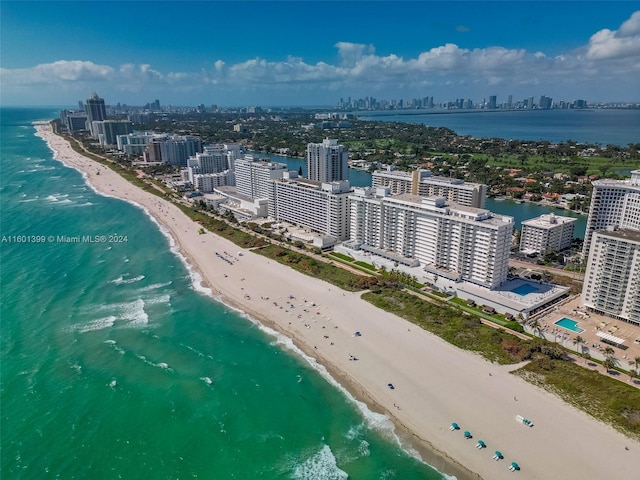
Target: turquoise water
point(569, 325)
point(116, 365)
point(524, 289)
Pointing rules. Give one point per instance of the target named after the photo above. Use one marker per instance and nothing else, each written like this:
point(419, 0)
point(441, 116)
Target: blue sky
point(313, 53)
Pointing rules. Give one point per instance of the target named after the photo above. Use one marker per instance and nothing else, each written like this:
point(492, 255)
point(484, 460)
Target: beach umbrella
point(515, 466)
point(467, 434)
point(481, 444)
point(454, 426)
point(499, 454)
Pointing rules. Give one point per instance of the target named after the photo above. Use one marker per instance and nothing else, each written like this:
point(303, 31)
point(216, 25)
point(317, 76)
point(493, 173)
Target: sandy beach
point(435, 383)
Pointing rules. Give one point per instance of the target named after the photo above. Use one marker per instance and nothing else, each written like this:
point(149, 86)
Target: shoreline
point(436, 383)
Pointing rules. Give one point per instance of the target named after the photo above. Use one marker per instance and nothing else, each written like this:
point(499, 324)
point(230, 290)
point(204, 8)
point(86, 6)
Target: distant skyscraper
point(493, 102)
point(327, 161)
point(545, 102)
point(510, 101)
point(96, 111)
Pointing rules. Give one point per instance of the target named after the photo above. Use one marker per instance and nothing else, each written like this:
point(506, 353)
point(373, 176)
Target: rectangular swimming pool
point(524, 289)
point(569, 324)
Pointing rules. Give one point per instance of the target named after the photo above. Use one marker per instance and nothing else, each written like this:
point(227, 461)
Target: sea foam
point(320, 466)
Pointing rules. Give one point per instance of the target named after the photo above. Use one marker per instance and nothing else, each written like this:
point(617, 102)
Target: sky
point(308, 53)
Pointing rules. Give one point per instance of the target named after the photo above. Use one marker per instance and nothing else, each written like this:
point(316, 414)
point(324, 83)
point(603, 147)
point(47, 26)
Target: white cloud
point(616, 44)
point(610, 56)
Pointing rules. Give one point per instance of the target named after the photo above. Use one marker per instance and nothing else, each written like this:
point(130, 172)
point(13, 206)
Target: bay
point(597, 126)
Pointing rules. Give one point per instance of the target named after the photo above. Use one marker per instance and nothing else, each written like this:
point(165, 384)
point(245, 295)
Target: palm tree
point(535, 326)
point(609, 363)
point(636, 365)
point(578, 341)
point(608, 352)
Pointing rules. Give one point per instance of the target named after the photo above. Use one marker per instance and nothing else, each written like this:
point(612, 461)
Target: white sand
point(435, 383)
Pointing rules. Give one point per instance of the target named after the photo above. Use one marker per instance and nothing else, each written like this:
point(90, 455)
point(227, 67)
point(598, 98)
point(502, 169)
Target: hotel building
point(96, 111)
point(614, 203)
point(449, 240)
point(420, 182)
point(320, 207)
point(547, 231)
point(254, 176)
point(327, 161)
point(612, 280)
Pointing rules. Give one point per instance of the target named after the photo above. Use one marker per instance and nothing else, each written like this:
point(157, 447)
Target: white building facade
point(614, 204)
point(254, 176)
point(327, 161)
point(547, 231)
point(455, 241)
point(612, 280)
point(420, 182)
point(321, 207)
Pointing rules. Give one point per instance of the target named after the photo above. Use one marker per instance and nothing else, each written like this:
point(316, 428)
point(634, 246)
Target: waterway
point(599, 126)
point(519, 211)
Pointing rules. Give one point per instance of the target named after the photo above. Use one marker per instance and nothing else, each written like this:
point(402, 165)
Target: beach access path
point(435, 383)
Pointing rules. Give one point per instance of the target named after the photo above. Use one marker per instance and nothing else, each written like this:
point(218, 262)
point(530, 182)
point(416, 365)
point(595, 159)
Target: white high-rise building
point(546, 231)
point(327, 161)
point(321, 207)
point(207, 182)
point(212, 160)
point(254, 176)
point(612, 280)
point(453, 240)
point(420, 182)
point(614, 204)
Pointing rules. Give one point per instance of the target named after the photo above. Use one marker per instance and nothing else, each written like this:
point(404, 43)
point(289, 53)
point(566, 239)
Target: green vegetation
point(366, 265)
point(318, 269)
point(602, 397)
point(463, 331)
point(341, 256)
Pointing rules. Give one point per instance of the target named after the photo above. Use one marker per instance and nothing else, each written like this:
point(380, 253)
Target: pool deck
point(591, 323)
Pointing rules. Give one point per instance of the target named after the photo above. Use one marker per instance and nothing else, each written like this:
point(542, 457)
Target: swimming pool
point(569, 325)
point(524, 289)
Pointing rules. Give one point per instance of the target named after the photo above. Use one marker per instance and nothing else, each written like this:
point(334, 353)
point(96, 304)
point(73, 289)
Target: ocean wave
point(161, 365)
point(93, 325)
point(121, 280)
point(320, 466)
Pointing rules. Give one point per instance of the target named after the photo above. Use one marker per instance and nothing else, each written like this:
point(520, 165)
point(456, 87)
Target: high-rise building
point(96, 111)
point(455, 241)
point(612, 280)
point(111, 129)
point(327, 161)
point(545, 102)
point(321, 207)
point(614, 204)
point(548, 231)
point(421, 182)
point(493, 102)
point(254, 176)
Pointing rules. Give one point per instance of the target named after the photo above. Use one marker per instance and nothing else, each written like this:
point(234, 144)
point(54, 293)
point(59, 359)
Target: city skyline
point(312, 53)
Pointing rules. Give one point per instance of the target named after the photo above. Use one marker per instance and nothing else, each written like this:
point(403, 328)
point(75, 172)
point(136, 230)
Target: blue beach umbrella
point(481, 444)
point(467, 434)
point(499, 455)
point(454, 426)
point(514, 466)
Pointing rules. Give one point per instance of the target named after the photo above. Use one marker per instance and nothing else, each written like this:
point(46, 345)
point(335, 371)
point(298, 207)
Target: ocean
point(603, 126)
point(117, 364)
